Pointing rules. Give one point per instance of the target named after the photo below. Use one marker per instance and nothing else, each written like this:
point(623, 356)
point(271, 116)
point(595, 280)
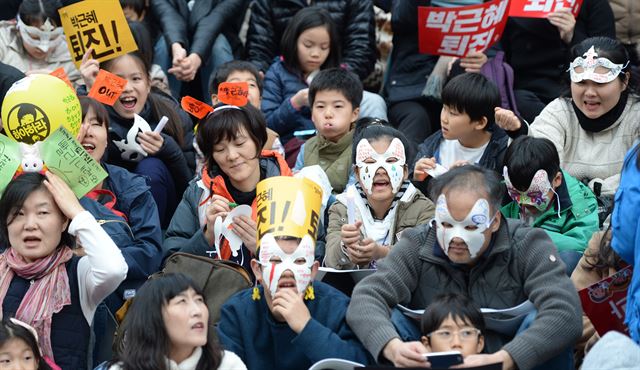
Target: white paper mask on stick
point(129, 147)
point(367, 171)
point(299, 262)
point(591, 67)
point(479, 216)
point(223, 228)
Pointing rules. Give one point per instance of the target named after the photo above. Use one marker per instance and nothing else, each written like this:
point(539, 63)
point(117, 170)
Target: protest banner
point(64, 156)
point(99, 25)
point(288, 206)
point(195, 107)
point(461, 30)
point(604, 302)
point(9, 160)
point(234, 93)
point(107, 88)
point(37, 105)
point(542, 8)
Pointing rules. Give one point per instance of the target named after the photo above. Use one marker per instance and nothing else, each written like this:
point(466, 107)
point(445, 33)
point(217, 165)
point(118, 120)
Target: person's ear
point(557, 181)
point(425, 342)
point(406, 172)
point(625, 83)
point(496, 222)
point(141, 16)
point(257, 270)
point(214, 99)
point(355, 114)
point(481, 123)
point(480, 345)
point(314, 269)
point(65, 224)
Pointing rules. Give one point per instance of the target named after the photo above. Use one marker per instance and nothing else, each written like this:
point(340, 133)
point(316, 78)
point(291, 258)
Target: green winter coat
point(578, 215)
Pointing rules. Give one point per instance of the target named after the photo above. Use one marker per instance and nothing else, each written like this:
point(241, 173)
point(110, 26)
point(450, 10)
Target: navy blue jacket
point(248, 329)
point(139, 237)
point(279, 86)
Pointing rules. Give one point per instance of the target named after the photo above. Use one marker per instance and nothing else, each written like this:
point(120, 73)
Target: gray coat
point(522, 264)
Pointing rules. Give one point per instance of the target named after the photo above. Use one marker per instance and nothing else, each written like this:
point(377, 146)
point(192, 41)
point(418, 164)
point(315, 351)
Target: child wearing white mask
point(545, 196)
point(34, 42)
point(367, 219)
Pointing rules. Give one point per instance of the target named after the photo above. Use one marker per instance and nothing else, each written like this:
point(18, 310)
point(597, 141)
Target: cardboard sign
point(461, 30)
point(61, 74)
point(97, 24)
point(65, 157)
point(234, 93)
point(10, 160)
point(107, 88)
point(604, 302)
point(288, 206)
point(542, 8)
point(195, 107)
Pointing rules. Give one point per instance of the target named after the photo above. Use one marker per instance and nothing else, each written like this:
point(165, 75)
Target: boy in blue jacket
point(290, 321)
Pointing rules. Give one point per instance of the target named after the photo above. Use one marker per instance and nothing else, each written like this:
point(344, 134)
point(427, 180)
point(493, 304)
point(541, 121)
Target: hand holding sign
point(234, 93)
point(107, 87)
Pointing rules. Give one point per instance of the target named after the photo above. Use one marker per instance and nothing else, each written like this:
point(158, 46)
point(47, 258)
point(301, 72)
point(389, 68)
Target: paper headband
point(591, 67)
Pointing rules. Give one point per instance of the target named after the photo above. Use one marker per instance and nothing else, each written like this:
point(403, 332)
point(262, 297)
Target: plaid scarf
point(48, 293)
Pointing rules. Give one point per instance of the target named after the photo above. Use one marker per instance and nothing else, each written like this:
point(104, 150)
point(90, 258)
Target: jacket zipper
point(102, 222)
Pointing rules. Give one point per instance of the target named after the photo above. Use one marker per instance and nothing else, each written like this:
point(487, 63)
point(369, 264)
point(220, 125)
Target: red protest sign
point(195, 107)
point(604, 302)
point(542, 8)
point(107, 88)
point(234, 93)
point(461, 30)
point(61, 74)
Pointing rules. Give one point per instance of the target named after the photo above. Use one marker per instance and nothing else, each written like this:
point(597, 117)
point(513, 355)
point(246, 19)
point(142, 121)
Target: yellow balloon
point(37, 105)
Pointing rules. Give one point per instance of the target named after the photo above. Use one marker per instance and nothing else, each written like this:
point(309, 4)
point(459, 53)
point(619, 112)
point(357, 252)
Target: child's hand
point(217, 206)
point(421, 167)
point(150, 141)
point(350, 233)
point(89, 69)
point(507, 120)
point(289, 304)
point(247, 230)
point(409, 354)
point(364, 252)
point(301, 98)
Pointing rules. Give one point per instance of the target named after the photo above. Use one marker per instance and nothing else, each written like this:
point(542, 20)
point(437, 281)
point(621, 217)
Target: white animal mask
point(479, 216)
point(223, 228)
point(590, 67)
point(44, 38)
point(271, 272)
point(31, 159)
point(129, 147)
point(395, 170)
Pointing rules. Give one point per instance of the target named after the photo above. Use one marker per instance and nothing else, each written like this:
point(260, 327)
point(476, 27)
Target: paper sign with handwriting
point(195, 107)
point(107, 88)
point(99, 25)
point(234, 93)
point(542, 8)
point(461, 30)
point(10, 159)
point(61, 74)
point(65, 157)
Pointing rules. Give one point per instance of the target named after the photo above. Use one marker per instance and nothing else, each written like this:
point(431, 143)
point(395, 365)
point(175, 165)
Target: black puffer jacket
point(198, 29)
point(409, 69)
point(354, 19)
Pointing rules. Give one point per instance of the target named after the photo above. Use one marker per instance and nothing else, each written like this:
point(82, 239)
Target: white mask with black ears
point(392, 161)
point(271, 272)
point(591, 67)
point(44, 38)
point(448, 228)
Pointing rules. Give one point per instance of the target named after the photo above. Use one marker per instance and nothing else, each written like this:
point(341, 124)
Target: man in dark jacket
point(192, 29)
point(354, 19)
point(471, 250)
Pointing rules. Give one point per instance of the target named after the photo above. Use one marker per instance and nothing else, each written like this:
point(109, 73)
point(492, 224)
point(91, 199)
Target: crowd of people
point(448, 194)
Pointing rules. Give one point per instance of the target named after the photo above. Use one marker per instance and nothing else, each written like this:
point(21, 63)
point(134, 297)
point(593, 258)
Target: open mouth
point(287, 284)
point(198, 326)
point(31, 241)
point(380, 184)
point(89, 147)
point(591, 105)
point(128, 102)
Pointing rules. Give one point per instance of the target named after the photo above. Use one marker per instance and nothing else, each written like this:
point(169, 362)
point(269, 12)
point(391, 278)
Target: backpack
point(501, 73)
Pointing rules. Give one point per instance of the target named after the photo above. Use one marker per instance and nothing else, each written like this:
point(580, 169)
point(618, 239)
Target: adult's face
point(596, 99)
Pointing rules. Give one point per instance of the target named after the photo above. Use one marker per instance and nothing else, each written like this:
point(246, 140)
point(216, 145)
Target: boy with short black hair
point(134, 10)
point(238, 71)
point(468, 132)
point(547, 197)
point(335, 95)
point(452, 322)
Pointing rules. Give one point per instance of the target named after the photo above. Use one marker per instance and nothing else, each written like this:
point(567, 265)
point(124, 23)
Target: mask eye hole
point(369, 161)
point(446, 225)
point(300, 261)
point(392, 160)
point(275, 260)
point(471, 227)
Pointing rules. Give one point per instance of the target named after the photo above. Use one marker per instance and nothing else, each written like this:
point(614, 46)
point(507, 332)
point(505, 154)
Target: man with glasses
point(469, 249)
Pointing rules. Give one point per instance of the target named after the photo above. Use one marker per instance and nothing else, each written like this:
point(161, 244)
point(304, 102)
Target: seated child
point(468, 133)
point(385, 201)
point(452, 322)
point(242, 71)
point(19, 347)
point(290, 321)
point(547, 197)
point(335, 95)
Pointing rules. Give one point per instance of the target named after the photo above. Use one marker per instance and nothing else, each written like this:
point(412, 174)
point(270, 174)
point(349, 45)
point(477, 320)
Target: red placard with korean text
point(542, 8)
point(604, 302)
point(460, 30)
